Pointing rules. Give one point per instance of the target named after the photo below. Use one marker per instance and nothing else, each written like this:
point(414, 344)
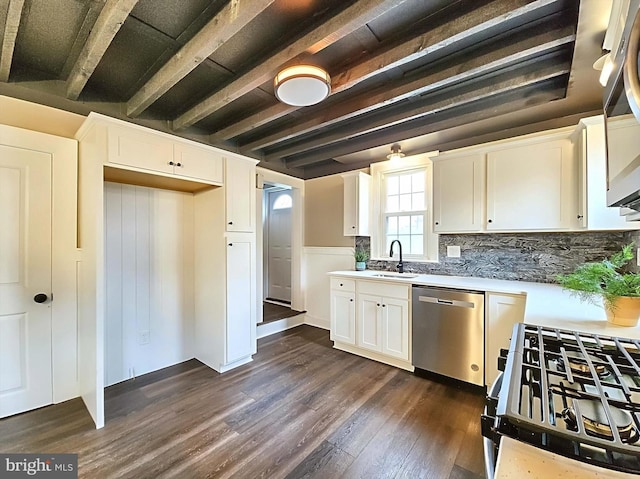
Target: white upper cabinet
point(357, 187)
point(198, 162)
point(591, 152)
point(532, 186)
point(129, 146)
point(522, 184)
point(133, 149)
point(240, 191)
point(458, 193)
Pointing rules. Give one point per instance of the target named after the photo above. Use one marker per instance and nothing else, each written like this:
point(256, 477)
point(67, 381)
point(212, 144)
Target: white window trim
point(378, 170)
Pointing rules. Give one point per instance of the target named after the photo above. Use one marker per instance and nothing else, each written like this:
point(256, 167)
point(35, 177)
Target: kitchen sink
point(395, 275)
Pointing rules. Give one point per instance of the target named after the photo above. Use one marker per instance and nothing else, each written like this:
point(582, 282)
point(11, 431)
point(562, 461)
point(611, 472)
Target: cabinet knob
point(341, 284)
point(377, 304)
point(171, 163)
point(353, 227)
point(489, 221)
point(230, 222)
point(384, 305)
point(580, 217)
point(351, 299)
point(437, 222)
point(178, 164)
point(230, 244)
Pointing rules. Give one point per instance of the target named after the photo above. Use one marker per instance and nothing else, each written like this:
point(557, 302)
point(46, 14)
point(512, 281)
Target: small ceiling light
point(396, 152)
point(604, 65)
point(302, 85)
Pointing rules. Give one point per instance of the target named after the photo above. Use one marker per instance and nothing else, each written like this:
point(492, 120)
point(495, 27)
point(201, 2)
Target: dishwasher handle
point(447, 302)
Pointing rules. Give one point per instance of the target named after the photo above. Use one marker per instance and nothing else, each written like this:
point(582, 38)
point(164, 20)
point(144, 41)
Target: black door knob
point(40, 298)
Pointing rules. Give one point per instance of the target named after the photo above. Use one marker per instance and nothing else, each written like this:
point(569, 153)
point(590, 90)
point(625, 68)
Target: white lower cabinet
point(503, 311)
point(371, 319)
point(343, 316)
point(369, 322)
point(241, 321)
point(395, 328)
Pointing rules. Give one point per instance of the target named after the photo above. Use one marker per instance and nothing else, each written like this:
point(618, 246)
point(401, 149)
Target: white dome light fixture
point(396, 152)
point(302, 85)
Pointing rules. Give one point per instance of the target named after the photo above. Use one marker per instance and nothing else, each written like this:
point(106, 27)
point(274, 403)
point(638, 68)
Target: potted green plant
point(619, 290)
point(361, 256)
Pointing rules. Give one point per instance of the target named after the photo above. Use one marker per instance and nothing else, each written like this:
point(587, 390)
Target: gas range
point(574, 394)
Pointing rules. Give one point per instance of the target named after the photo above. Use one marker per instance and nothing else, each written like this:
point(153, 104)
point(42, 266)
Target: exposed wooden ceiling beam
point(479, 22)
point(508, 55)
point(11, 25)
point(488, 89)
point(93, 12)
point(111, 18)
point(331, 31)
point(229, 21)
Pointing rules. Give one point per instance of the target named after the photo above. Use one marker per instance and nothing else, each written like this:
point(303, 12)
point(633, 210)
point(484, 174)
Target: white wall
point(149, 317)
point(318, 261)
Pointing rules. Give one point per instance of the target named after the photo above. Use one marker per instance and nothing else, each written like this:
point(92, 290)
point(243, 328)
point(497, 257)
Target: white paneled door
point(25, 280)
point(279, 245)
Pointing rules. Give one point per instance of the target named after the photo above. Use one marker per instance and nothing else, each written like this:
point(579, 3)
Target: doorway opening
point(277, 209)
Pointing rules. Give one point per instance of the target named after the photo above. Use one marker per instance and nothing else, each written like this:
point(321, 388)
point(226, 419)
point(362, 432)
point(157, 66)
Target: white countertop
point(547, 304)
point(517, 460)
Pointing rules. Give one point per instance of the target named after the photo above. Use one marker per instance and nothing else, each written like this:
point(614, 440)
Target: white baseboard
point(267, 329)
point(317, 322)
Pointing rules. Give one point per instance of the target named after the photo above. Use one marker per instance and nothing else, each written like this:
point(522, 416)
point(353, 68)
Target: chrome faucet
point(400, 265)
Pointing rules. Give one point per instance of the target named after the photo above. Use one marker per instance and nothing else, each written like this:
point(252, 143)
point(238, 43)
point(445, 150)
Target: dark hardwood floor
point(273, 312)
point(300, 410)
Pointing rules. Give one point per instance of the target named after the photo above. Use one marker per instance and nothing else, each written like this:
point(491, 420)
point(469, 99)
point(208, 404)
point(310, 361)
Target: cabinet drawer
point(343, 284)
point(389, 290)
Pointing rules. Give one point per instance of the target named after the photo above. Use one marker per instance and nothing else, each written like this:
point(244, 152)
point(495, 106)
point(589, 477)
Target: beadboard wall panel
point(149, 317)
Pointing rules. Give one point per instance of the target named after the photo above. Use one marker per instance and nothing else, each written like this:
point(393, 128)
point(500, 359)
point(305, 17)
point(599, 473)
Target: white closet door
point(240, 300)
point(25, 271)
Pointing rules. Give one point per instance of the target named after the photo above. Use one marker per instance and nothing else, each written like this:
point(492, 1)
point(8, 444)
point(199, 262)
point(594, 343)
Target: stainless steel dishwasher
point(448, 332)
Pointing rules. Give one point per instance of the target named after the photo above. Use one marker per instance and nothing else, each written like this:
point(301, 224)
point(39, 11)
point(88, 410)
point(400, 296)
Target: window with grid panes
point(404, 211)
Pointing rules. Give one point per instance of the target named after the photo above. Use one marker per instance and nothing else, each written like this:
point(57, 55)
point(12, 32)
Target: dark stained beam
point(229, 21)
point(494, 16)
point(11, 25)
point(111, 18)
point(342, 24)
point(488, 90)
point(507, 55)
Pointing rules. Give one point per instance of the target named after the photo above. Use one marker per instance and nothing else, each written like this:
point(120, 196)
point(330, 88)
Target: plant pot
point(361, 265)
point(625, 311)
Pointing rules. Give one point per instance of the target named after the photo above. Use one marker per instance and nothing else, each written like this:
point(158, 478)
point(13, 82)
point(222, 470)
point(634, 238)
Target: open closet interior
point(167, 231)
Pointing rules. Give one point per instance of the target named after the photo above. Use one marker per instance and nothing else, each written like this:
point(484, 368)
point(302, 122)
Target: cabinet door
point(241, 324)
point(395, 328)
point(198, 162)
point(356, 204)
point(240, 190)
point(531, 187)
point(343, 317)
point(139, 149)
point(458, 194)
point(369, 321)
point(503, 311)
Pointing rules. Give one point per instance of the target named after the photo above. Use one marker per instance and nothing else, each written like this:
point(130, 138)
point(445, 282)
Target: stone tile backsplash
point(537, 257)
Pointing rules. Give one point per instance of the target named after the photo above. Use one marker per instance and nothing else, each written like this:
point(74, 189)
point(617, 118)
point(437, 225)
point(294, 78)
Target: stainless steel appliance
point(448, 332)
point(573, 394)
point(622, 117)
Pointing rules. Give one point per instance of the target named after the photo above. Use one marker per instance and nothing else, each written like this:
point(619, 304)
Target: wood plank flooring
point(273, 312)
point(300, 410)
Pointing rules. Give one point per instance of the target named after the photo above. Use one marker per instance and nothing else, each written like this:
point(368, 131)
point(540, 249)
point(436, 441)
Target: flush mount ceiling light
point(302, 85)
point(396, 153)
